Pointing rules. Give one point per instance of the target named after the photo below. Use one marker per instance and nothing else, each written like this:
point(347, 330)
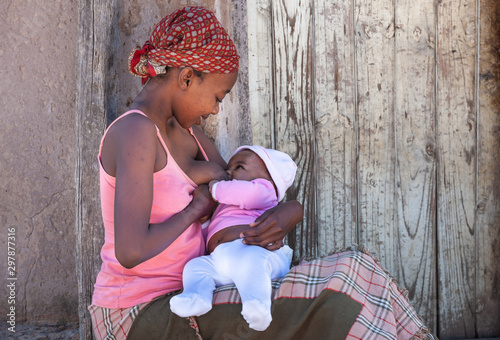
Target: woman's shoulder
point(133, 120)
point(132, 125)
point(130, 135)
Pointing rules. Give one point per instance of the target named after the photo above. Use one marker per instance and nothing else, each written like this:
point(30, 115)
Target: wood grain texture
point(488, 174)
point(394, 125)
point(335, 125)
point(374, 43)
point(415, 152)
point(260, 72)
point(456, 139)
point(230, 128)
point(294, 118)
point(96, 44)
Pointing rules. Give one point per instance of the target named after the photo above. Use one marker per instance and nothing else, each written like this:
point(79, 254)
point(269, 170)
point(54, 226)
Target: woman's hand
point(203, 203)
point(271, 227)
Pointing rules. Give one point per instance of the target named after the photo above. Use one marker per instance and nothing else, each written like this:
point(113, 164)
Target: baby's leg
point(252, 273)
point(199, 284)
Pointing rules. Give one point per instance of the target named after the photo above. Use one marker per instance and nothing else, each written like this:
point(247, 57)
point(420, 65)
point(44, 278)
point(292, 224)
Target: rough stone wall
point(37, 159)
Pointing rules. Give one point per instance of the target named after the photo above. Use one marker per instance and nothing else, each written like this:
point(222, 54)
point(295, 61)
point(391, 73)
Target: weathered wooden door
point(391, 109)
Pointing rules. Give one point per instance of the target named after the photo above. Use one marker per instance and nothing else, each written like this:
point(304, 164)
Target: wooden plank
point(488, 174)
point(97, 24)
point(260, 72)
point(456, 139)
point(294, 122)
point(335, 125)
point(374, 43)
point(415, 149)
point(231, 127)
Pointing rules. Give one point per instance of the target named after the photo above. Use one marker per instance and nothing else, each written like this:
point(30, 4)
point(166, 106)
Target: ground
point(41, 332)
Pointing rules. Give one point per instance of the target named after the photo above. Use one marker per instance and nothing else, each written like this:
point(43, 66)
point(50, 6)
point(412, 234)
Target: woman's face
point(246, 166)
point(202, 96)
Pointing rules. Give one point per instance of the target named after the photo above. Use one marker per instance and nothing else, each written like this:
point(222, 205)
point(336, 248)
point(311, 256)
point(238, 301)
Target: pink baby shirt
point(241, 202)
point(118, 287)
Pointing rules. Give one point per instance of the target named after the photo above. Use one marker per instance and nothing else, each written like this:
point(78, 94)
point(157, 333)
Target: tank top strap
point(199, 145)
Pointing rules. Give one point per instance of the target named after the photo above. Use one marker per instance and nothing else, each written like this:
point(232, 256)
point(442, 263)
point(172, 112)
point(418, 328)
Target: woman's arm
point(134, 147)
point(267, 231)
point(270, 228)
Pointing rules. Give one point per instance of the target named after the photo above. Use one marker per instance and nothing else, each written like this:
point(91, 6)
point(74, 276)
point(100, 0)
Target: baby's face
point(247, 166)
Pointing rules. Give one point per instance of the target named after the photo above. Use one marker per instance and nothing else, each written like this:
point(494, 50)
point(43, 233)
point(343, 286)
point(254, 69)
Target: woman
point(155, 165)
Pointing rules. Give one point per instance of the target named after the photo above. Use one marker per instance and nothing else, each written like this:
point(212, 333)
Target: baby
point(259, 179)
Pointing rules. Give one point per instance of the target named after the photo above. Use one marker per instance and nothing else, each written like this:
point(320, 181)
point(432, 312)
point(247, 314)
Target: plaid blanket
point(346, 295)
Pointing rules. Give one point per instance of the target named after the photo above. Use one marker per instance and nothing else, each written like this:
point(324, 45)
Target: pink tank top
point(118, 287)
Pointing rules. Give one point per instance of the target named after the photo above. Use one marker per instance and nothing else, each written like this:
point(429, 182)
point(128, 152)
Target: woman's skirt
point(346, 295)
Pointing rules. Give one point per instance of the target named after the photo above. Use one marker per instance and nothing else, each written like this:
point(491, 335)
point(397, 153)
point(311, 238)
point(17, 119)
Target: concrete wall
point(37, 159)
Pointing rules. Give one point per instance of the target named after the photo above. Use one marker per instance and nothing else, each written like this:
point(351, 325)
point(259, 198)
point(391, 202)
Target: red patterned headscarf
point(190, 36)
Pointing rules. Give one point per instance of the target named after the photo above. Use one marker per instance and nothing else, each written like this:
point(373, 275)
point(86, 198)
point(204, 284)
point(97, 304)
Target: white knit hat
point(281, 167)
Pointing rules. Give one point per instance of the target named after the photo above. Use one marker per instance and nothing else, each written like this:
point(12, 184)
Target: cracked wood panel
point(456, 140)
point(488, 174)
point(374, 46)
point(335, 125)
point(415, 155)
point(260, 75)
point(96, 43)
point(309, 109)
point(294, 122)
point(231, 127)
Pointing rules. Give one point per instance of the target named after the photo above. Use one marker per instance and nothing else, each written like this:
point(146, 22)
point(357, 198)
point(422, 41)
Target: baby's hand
point(211, 184)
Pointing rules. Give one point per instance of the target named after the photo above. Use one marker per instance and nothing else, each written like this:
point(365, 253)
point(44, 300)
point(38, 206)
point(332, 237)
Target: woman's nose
point(228, 172)
point(216, 109)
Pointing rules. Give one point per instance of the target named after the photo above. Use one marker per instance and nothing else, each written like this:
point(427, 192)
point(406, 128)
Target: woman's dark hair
point(197, 73)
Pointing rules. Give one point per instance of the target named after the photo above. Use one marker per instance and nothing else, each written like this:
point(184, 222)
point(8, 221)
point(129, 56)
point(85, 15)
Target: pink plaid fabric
point(113, 323)
point(386, 312)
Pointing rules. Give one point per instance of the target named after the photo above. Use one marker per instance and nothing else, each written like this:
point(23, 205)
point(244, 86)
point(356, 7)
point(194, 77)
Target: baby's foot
point(189, 304)
point(257, 314)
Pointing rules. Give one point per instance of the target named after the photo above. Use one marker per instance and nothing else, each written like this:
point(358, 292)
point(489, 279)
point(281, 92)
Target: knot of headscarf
point(190, 36)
